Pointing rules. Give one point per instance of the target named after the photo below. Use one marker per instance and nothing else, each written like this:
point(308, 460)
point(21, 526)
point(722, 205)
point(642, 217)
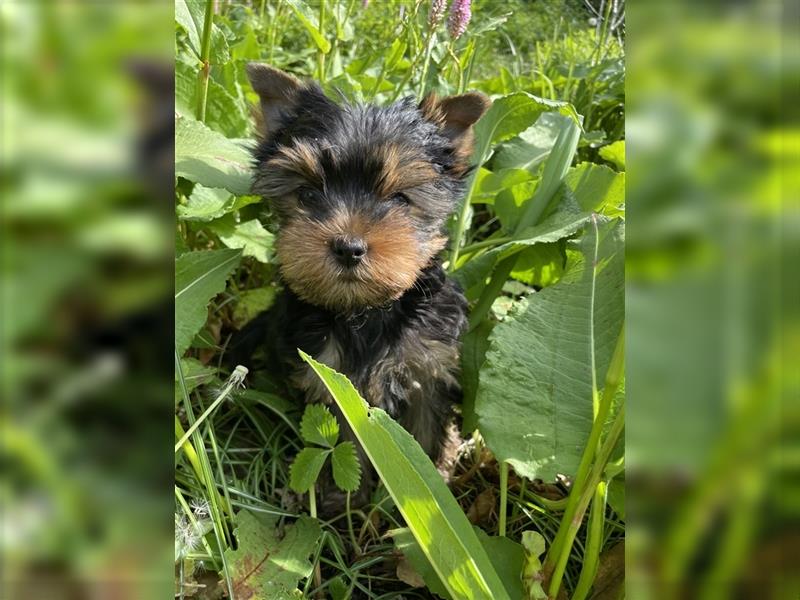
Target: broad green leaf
point(597, 188)
point(540, 265)
point(509, 116)
point(319, 426)
point(195, 374)
point(199, 276)
point(553, 172)
point(224, 113)
point(205, 204)
point(404, 542)
point(191, 14)
point(555, 227)
point(186, 20)
point(251, 303)
point(430, 510)
point(305, 469)
point(615, 154)
point(488, 183)
point(310, 22)
point(210, 159)
point(534, 400)
point(510, 204)
point(531, 146)
point(506, 556)
point(266, 566)
point(346, 468)
point(250, 236)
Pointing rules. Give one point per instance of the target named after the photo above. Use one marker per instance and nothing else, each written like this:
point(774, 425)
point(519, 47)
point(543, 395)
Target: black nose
point(349, 251)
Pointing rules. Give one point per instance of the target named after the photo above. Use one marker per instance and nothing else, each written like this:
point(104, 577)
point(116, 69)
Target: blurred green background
point(86, 289)
point(712, 300)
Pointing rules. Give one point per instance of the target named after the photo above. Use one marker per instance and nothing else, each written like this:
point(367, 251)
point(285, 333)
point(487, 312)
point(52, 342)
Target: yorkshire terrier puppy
point(361, 194)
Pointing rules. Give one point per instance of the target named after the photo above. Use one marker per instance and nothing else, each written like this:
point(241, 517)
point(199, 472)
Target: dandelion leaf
point(267, 566)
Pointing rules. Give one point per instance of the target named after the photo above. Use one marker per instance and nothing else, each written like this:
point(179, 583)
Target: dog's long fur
point(389, 177)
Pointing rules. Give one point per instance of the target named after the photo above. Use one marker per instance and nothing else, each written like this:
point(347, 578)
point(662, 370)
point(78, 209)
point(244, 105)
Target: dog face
point(361, 192)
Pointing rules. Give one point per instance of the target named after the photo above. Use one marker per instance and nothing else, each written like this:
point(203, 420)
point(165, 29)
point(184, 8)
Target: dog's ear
point(455, 116)
point(277, 91)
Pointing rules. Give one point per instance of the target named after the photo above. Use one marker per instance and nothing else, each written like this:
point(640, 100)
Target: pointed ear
point(455, 116)
point(277, 91)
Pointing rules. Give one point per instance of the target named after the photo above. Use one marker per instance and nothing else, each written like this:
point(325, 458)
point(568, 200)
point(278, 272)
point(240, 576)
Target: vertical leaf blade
point(430, 510)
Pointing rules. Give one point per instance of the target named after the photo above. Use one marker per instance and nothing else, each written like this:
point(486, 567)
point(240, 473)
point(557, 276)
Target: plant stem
point(205, 70)
point(233, 381)
point(501, 528)
point(573, 524)
point(312, 507)
point(487, 243)
point(594, 543)
point(426, 62)
point(491, 291)
point(350, 527)
point(320, 53)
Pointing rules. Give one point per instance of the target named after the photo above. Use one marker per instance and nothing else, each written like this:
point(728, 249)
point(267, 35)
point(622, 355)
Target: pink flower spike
point(460, 15)
point(436, 13)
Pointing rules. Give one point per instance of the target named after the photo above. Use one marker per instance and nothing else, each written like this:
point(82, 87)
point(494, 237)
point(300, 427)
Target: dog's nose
point(349, 251)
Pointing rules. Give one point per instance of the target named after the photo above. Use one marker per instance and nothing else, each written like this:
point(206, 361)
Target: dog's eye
point(307, 195)
point(401, 198)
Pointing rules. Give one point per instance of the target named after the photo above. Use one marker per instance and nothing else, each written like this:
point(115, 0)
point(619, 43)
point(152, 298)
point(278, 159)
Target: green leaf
point(190, 14)
point(597, 188)
point(210, 159)
point(225, 113)
point(306, 467)
point(319, 426)
point(534, 400)
point(615, 154)
point(616, 495)
point(430, 510)
point(310, 22)
point(251, 303)
point(488, 183)
point(506, 556)
point(195, 374)
point(509, 116)
point(540, 265)
point(205, 204)
point(250, 236)
point(396, 52)
point(474, 345)
point(510, 203)
point(531, 146)
point(199, 276)
point(186, 20)
point(268, 567)
point(346, 468)
point(555, 227)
